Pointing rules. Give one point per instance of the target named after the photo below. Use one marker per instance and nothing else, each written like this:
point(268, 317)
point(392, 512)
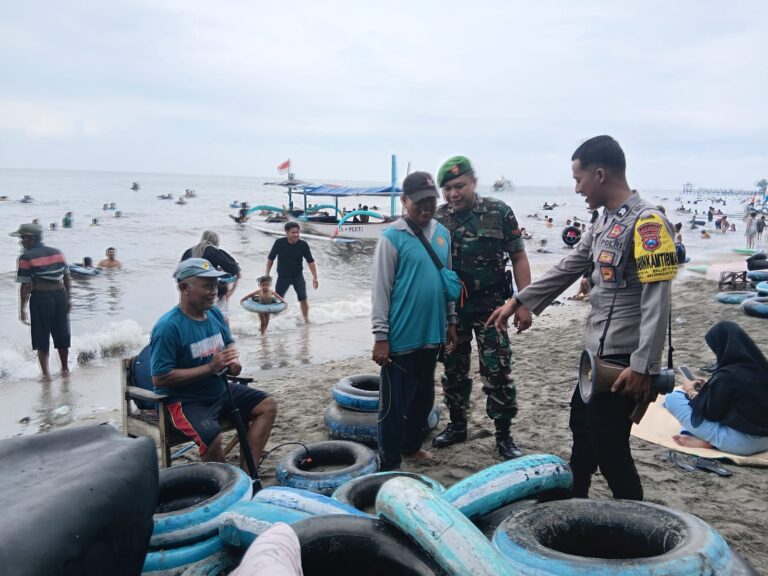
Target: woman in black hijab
point(730, 410)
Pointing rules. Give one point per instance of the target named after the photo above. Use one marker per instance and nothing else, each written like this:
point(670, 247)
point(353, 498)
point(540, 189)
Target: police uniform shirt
point(641, 310)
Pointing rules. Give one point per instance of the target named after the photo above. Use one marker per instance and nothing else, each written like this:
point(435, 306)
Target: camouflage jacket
point(481, 240)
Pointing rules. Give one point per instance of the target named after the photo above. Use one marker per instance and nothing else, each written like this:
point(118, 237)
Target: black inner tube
point(179, 495)
point(363, 494)
point(611, 537)
point(369, 384)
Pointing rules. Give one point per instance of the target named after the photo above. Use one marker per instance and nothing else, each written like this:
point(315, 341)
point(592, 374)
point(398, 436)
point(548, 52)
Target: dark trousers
point(406, 397)
point(601, 440)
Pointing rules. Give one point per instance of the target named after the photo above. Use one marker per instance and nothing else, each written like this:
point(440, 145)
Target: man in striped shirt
point(44, 283)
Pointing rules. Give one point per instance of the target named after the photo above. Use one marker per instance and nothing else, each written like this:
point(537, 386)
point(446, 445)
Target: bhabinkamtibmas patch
point(654, 250)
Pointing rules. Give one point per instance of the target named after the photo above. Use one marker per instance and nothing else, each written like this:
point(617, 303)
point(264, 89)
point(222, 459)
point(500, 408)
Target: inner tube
point(757, 307)
point(255, 306)
point(350, 458)
point(306, 501)
point(757, 275)
point(735, 297)
point(616, 537)
point(344, 424)
point(758, 261)
point(361, 492)
point(206, 556)
point(507, 482)
point(192, 497)
point(762, 288)
point(571, 235)
point(246, 521)
point(83, 271)
point(343, 545)
point(358, 392)
point(439, 528)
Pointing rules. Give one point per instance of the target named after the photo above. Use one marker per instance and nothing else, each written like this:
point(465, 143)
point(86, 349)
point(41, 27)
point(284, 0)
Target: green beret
point(453, 168)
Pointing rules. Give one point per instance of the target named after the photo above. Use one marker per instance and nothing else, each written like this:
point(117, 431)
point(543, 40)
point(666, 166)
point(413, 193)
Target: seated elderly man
point(192, 351)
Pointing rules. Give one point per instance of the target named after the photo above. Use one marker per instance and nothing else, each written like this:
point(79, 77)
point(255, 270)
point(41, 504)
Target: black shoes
point(453, 434)
point(507, 448)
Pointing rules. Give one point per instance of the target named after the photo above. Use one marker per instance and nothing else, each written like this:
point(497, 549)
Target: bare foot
point(421, 454)
point(690, 441)
point(45, 378)
point(65, 373)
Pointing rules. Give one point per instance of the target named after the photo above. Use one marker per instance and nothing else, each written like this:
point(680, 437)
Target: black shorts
point(49, 316)
point(284, 282)
point(199, 420)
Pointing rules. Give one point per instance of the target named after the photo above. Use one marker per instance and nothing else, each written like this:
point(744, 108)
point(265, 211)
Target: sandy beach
point(545, 366)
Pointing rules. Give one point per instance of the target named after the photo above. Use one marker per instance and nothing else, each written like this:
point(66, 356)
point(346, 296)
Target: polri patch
point(608, 273)
point(616, 231)
point(606, 257)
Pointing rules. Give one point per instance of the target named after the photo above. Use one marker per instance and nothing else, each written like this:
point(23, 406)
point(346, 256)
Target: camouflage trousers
point(495, 356)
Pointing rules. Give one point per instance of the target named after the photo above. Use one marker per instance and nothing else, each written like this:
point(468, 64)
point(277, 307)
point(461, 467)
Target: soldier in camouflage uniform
point(484, 232)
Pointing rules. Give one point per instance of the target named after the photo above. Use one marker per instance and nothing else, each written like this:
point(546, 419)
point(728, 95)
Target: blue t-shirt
point(178, 341)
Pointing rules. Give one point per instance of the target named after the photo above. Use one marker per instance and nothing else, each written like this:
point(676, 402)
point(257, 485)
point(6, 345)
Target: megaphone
point(596, 376)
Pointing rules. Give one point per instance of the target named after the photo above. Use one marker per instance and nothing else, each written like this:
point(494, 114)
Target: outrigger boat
point(337, 225)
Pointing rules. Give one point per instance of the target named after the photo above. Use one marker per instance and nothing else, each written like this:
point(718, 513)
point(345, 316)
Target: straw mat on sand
point(658, 426)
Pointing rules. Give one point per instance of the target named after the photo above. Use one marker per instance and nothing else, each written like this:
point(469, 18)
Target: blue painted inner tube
point(762, 288)
point(757, 275)
point(611, 537)
point(361, 492)
point(82, 271)
point(756, 307)
point(734, 297)
point(192, 497)
point(358, 392)
point(358, 426)
point(255, 306)
point(352, 460)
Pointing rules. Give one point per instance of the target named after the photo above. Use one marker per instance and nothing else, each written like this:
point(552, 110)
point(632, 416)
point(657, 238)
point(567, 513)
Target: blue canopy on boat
point(330, 190)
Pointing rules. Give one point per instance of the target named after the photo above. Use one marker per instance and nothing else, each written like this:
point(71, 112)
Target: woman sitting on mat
point(730, 410)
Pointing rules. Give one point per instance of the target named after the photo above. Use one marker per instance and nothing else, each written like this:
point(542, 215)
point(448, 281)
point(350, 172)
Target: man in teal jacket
point(411, 320)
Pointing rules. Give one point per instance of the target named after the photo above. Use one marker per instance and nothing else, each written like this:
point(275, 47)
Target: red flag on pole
point(284, 167)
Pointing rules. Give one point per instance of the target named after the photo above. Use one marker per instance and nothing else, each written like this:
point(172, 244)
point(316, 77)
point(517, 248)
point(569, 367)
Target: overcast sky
point(236, 87)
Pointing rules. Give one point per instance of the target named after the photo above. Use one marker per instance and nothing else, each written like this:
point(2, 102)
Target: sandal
point(682, 461)
point(711, 466)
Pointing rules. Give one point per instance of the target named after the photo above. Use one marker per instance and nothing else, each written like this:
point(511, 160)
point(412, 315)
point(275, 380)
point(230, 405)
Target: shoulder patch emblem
point(655, 254)
point(440, 241)
point(608, 273)
point(606, 257)
point(616, 231)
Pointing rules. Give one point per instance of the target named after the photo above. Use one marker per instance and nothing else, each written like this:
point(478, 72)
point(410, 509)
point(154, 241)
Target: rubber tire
point(439, 528)
point(359, 461)
point(734, 297)
point(571, 240)
point(359, 392)
point(352, 545)
point(192, 497)
point(362, 427)
point(757, 307)
point(762, 288)
point(757, 275)
point(175, 560)
point(361, 492)
point(306, 501)
point(246, 521)
point(494, 487)
point(258, 308)
point(613, 537)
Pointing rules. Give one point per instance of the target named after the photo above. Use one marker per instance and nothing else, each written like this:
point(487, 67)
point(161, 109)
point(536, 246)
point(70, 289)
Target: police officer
point(484, 232)
point(631, 253)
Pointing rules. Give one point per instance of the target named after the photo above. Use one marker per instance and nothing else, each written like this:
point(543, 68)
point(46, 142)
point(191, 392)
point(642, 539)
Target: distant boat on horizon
point(503, 184)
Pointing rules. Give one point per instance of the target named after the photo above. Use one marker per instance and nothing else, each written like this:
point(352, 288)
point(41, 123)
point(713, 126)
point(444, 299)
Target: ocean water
point(113, 313)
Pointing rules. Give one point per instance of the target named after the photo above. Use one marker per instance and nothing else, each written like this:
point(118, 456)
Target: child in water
point(264, 295)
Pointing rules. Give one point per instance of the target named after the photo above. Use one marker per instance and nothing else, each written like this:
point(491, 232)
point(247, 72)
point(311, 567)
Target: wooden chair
point(157, 423)
point(734, 280)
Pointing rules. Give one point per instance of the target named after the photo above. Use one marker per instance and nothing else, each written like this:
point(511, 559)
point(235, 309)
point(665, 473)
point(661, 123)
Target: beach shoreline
point(545, 367)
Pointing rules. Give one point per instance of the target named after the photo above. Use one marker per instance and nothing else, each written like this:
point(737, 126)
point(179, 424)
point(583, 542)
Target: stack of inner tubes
point(353, 413)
